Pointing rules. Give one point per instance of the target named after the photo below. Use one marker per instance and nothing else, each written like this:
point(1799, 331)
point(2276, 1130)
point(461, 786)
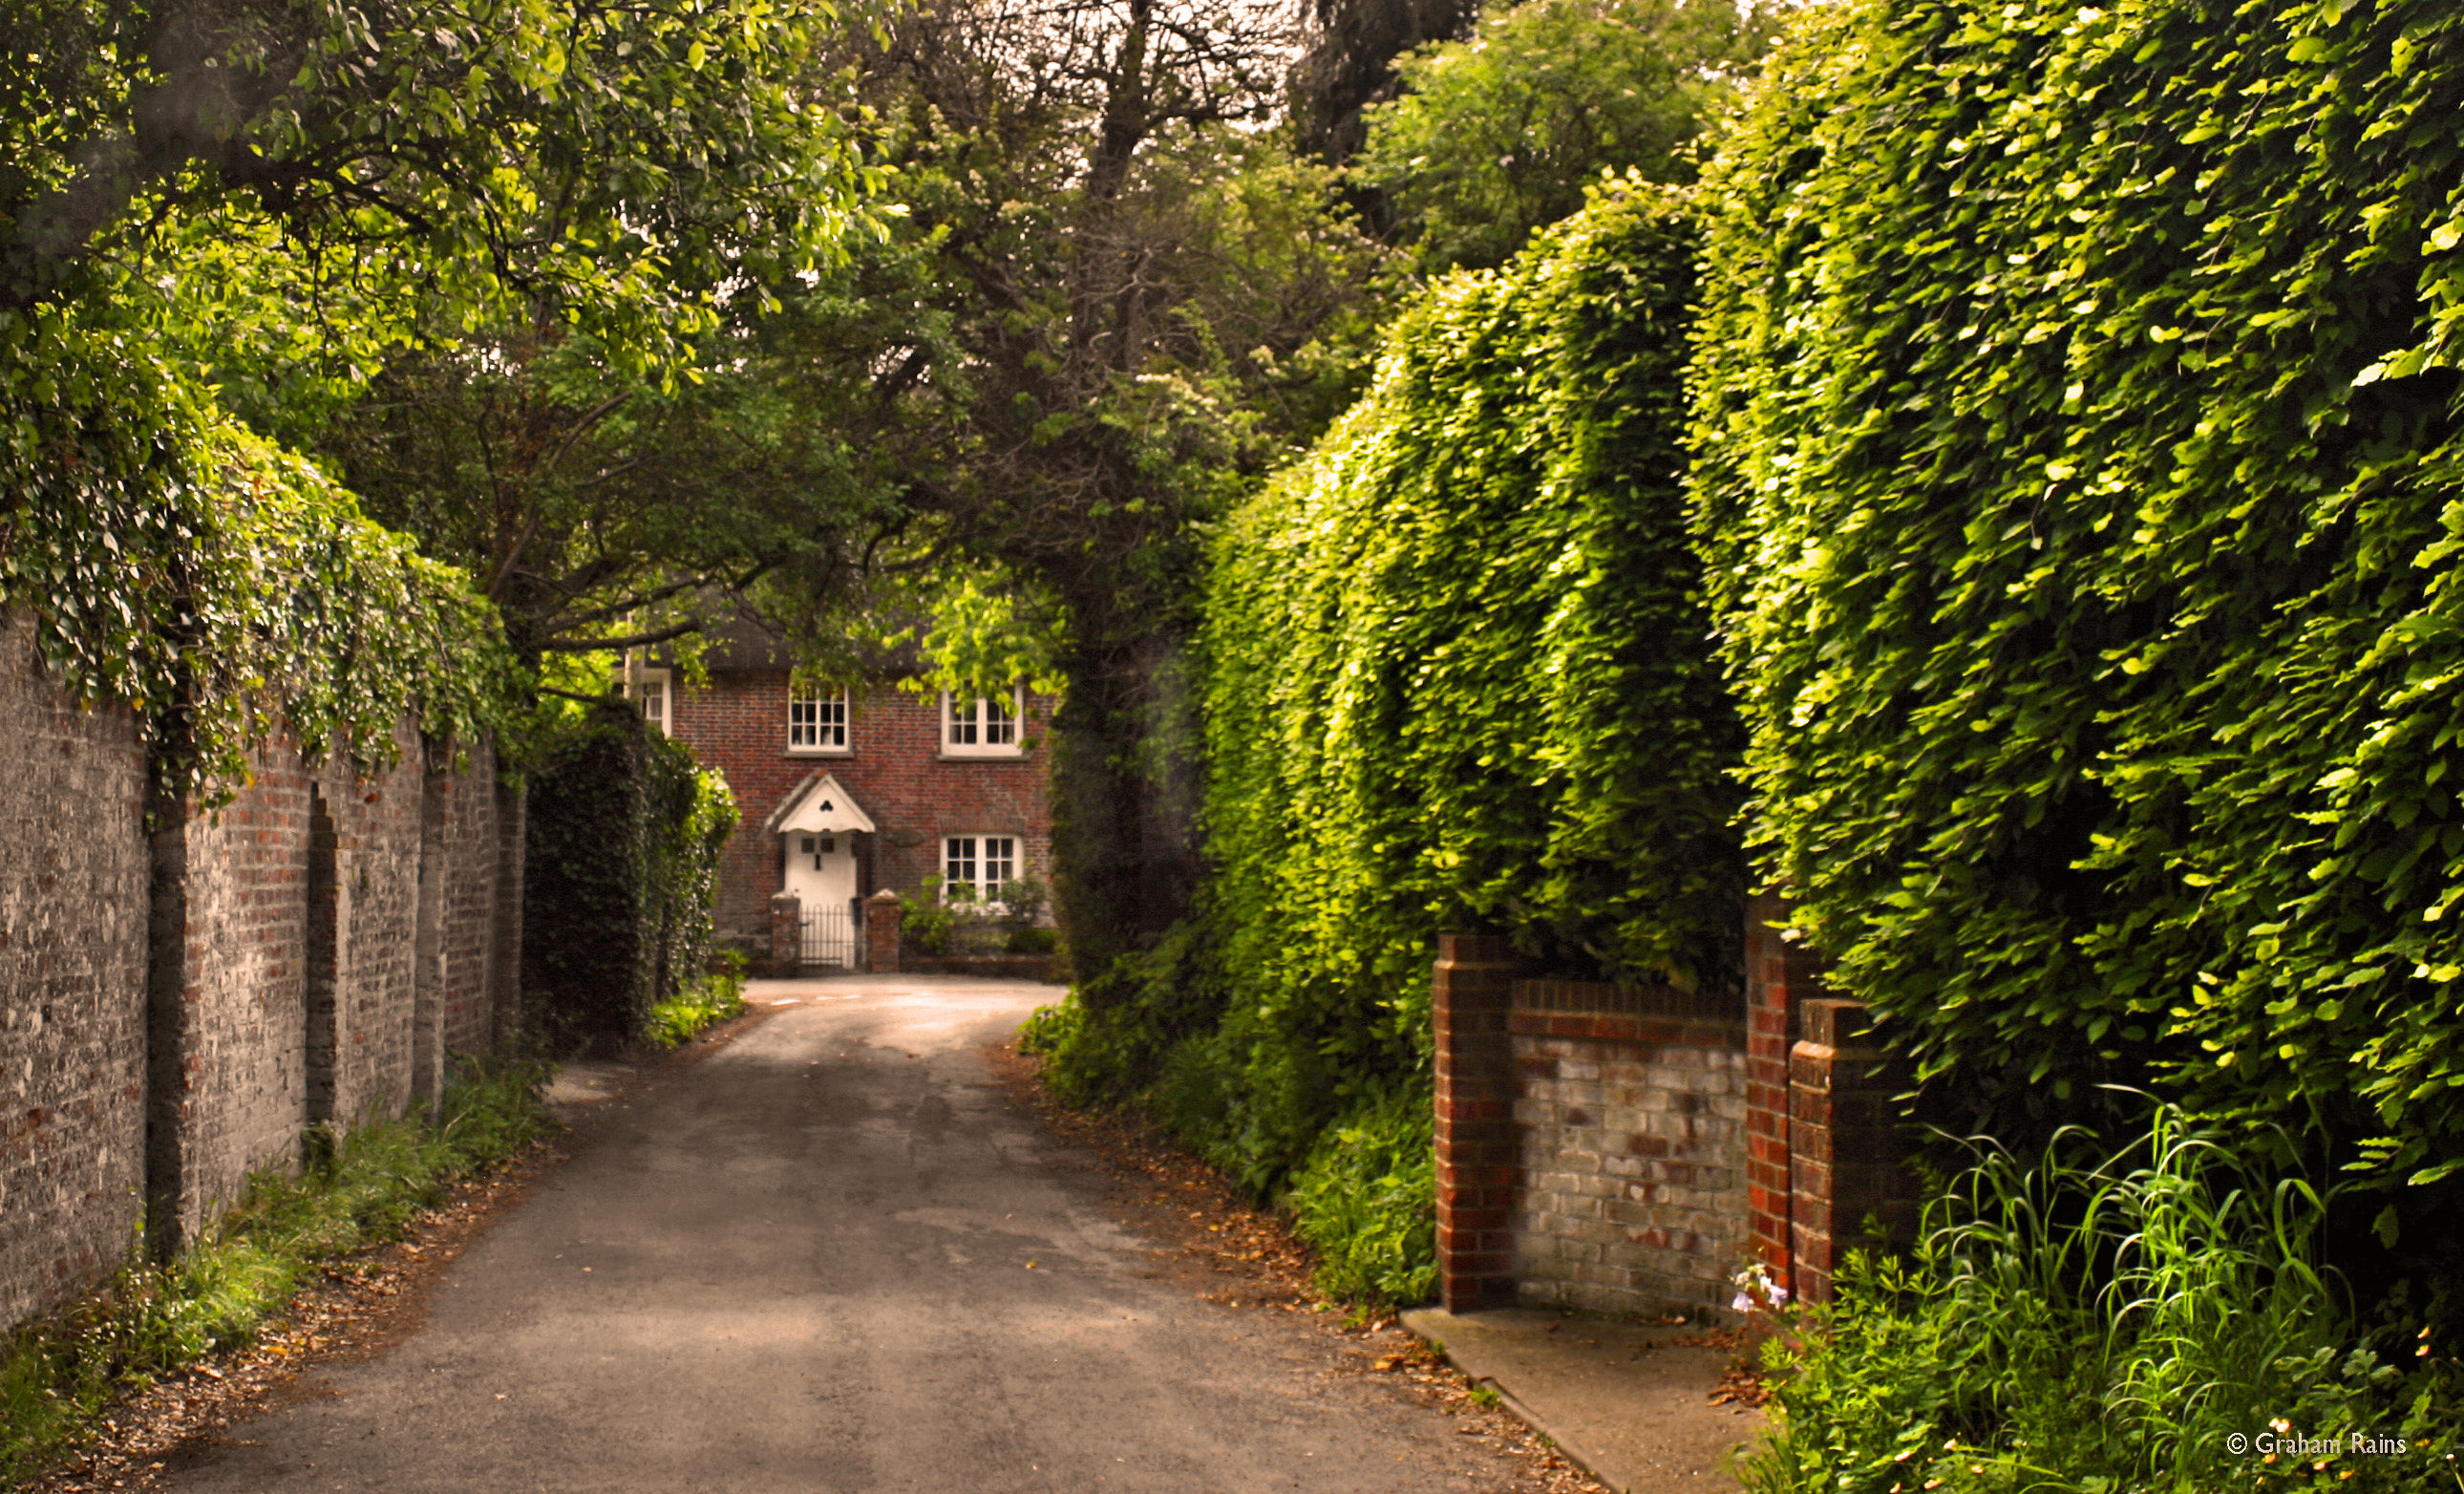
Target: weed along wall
point(311, 951)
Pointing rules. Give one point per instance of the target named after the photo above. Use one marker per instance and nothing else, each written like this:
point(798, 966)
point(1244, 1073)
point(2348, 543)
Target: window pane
point(959, 866)
point(962, 723)
point(1000, 727)
point(653, 696)
point(804, 721)
point(834, 719)
point(1001, 863)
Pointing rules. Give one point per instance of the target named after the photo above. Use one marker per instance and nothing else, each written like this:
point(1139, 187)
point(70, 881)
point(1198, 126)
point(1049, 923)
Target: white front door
point(821, 868)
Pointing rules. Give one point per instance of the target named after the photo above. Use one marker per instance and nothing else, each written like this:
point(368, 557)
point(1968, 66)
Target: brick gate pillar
point(1779, 977)
point(786, 933)
point(882, 922)
point(1846, 1147)
point(1477, 1162)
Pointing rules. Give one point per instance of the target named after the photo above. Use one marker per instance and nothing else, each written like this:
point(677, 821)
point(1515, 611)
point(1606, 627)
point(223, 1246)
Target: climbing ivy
point(1457, 675)
point(2080, 472)
point(176, 563)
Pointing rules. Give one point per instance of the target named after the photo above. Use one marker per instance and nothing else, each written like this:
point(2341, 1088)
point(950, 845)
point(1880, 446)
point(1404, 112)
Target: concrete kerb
point(1628, 1404)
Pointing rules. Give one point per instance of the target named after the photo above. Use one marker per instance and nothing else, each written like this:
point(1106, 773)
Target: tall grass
point(355, 1189)
point(2109, 1325)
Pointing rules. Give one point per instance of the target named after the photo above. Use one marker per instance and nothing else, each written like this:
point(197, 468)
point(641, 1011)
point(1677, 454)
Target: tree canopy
point(1498, 133)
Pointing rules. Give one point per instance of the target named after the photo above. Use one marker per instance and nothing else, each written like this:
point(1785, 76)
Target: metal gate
point(829, 938)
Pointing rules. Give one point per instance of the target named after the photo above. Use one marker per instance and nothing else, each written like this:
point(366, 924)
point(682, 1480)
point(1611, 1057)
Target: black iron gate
point(829, 938)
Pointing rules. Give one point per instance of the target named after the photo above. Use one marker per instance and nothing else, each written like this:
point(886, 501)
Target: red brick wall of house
point(915, 796)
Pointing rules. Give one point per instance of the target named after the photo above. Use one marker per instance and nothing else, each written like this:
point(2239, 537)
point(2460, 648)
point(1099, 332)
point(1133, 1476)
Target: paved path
point(1633, 1404)
point(804, 1263)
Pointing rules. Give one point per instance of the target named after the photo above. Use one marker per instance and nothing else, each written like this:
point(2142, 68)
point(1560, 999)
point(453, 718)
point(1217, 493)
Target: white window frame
point(831, 700)
point(966, 724)
point(980, 859)
point(649, 685)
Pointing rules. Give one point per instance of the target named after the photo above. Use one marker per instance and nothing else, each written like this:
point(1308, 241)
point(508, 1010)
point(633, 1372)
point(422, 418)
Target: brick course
point(1632, 1131)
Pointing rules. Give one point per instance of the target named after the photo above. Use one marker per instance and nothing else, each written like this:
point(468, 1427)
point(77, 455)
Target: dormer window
point(982, 727)
point(817, 720)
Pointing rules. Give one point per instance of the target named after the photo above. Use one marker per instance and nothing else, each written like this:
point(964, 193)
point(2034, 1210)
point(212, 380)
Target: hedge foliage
point(623, 841)
point(1455, 674)
point(2080, 473)
point(175, 562)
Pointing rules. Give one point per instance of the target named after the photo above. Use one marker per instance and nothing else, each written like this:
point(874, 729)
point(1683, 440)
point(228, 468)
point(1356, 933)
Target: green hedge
point(625, 833)
point(2079, 471)
point(1457, 675)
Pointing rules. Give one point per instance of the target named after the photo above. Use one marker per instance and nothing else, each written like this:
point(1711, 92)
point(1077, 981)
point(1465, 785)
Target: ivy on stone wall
point(176, 563)
point(1458, 676)
point(2080, 473)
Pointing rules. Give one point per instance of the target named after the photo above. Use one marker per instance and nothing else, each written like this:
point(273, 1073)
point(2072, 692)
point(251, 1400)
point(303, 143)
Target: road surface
point(831, 1256)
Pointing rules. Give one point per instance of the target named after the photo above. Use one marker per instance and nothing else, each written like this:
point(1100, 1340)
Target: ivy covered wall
point(2080, 468)
point(176, 562)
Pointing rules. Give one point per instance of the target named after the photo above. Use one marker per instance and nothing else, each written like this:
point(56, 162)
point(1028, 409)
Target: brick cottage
point(847, 792)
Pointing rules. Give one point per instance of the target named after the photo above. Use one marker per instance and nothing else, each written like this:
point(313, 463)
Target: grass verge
point(358, 1189)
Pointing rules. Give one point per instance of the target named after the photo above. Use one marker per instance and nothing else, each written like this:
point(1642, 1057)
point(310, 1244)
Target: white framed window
point(983, 727)
point(817, 720)
point(975, 868)
point(650, 692)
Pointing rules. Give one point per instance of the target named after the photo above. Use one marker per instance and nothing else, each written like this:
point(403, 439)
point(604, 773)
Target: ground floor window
point(975, 867)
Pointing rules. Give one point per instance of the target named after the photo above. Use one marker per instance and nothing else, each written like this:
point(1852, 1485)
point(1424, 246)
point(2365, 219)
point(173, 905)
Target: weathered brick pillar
point(1779, 977)
point(786, 933)
point(1472, 989)
point(882, 919)
point(1846, 1144)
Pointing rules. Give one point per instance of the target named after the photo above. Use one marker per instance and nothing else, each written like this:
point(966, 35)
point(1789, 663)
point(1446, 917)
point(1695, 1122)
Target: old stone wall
point(376, 871)
point(1628, 1149)
point(71, 984)
point(236, 1096)
point(179, 1003)
point(1631, 1112)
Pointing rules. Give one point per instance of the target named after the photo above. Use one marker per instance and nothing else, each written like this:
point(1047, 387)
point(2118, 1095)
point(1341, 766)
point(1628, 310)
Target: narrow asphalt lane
point(830, 1256)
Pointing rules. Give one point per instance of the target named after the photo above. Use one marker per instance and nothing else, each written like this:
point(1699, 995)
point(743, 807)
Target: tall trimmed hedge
point(2080, 473)
point(625, 833)
point(1457, 675)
